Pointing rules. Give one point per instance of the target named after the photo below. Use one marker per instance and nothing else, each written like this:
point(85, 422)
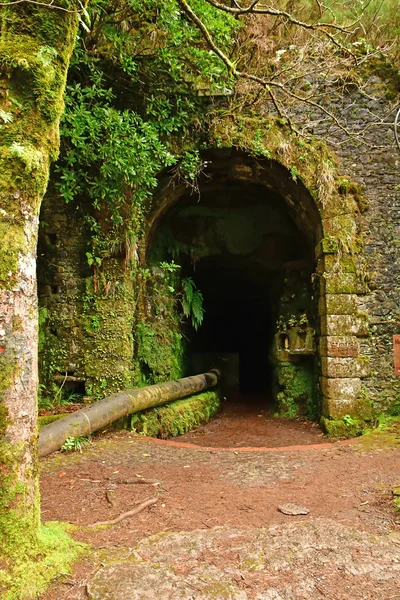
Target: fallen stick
point(134, 480)
point(125, 515)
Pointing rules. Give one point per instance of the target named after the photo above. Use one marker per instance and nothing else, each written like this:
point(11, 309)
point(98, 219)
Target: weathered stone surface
point(342, 283)
point(341, 388)
point(343, 227)
point(337, 205)
point(333, 263)
point(340, 396)
point(341, 346)
point(296, 560)
point(337, 408)
point(345, 367)
point(338, 304)
point(344, 396)
point(345, 325)
point(328, 245)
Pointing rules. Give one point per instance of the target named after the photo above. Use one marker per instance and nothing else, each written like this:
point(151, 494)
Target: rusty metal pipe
point(92, 418)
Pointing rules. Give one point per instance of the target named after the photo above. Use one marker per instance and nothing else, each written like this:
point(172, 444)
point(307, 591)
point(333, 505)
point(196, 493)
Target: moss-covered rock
point(296, 389)
point(343, 428)
point(177, 417)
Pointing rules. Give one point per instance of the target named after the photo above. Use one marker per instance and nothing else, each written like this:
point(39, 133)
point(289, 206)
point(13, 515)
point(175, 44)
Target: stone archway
point(324, 208)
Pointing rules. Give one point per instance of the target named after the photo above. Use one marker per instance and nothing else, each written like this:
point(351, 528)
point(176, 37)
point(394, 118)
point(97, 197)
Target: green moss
point(14, 242)
point(394, 409)
point(388, 72)
point(159, 343)
point(296, 389)
point(344, 283)
point(3, 419)
point(31, 573)
point(343, 428)
point(310, 162)
point(108, 321)
point(177, 417)
point(219, 591)
point(160, 352)
point(46, 419)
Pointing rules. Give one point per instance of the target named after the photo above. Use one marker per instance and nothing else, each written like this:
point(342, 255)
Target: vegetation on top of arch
point(143, 85)
point(136, 80)
point(310, 161)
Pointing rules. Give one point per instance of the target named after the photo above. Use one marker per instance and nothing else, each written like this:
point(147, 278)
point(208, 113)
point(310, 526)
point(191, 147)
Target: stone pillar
point(342, 324)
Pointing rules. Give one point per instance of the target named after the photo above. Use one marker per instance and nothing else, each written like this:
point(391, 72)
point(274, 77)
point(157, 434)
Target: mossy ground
point(177, 417)
point(385, 435)
point(31, 574)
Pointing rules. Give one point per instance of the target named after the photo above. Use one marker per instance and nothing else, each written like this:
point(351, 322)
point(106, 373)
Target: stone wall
point(359, 303)
point(374, 162)
point(62, 267)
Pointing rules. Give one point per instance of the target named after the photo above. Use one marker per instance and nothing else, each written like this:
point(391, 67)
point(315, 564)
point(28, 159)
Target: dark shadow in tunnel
point(252, 262)
point(238, 323)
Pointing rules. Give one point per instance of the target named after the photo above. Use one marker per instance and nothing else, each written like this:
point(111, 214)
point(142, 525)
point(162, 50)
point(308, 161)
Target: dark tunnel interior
point(252, 264)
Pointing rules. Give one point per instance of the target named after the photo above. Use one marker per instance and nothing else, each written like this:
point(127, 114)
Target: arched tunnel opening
point(242, 247)
point(238, 325)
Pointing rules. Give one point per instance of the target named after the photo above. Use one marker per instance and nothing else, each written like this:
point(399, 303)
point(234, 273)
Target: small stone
point(396, 491)
point(293, 509)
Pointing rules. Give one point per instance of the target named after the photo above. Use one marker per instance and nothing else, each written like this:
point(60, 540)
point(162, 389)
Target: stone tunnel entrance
point(280, 269)
point(249, 248)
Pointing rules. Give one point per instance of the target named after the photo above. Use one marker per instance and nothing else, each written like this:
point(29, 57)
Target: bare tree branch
point(254, 9)
point(265, 83)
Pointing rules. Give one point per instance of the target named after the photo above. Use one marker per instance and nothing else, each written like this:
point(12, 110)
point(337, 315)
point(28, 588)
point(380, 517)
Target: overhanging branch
point(267, 84)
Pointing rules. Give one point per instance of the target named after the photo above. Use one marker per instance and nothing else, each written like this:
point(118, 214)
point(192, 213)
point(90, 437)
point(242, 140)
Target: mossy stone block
point(339, 367)
point(337, 205)
point(339, 346)
point(337, 428)
point(328, 245)
point(339, 388)
point(342, 283)
point(340, 396)
point(338, 304)
point(343, 227)
point(343, 263)
point(345, 325)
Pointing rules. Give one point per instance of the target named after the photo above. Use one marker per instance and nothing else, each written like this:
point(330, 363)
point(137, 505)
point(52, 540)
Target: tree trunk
point(35, 48)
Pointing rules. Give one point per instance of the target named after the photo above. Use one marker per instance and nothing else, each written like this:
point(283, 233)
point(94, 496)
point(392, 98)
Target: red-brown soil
point(202, 488)
point(248, 422)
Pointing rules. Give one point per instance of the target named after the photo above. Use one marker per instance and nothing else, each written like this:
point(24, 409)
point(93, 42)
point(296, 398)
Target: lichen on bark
point(35, 47)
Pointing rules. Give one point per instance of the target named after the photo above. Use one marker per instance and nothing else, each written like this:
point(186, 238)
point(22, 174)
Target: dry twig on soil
point(135, 480)
point(130, 513)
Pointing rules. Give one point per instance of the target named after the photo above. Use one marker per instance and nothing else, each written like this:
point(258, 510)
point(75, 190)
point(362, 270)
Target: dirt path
point(225, 535)
point(247, 422)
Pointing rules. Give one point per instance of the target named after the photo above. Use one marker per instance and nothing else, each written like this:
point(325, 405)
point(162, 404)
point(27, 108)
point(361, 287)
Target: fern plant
point(192, 302)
